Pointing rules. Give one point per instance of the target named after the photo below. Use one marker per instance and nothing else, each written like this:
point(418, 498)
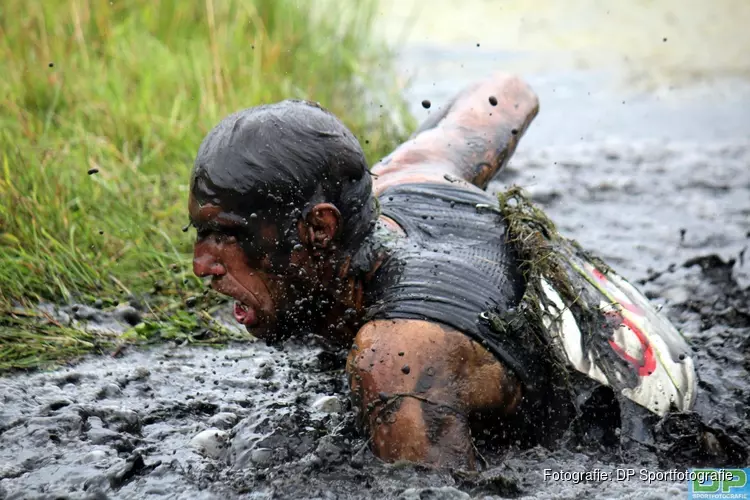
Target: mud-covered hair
point(279, 160)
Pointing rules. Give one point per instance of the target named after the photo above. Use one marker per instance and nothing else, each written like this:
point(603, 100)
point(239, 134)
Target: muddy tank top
point(453, 265)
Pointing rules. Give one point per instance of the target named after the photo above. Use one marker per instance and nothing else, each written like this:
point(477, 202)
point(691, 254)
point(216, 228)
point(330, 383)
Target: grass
point(129, 89)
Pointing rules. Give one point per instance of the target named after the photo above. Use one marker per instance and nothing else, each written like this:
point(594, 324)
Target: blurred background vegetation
point(103, 106)
point(126, 89)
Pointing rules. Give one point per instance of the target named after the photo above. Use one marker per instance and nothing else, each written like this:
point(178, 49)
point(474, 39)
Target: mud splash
point(252, 421)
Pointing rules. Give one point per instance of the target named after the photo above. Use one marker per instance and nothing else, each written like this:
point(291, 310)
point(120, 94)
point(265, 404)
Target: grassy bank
point(103, 105)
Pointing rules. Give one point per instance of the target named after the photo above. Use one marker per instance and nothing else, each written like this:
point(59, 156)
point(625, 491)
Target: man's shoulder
point(406, 325)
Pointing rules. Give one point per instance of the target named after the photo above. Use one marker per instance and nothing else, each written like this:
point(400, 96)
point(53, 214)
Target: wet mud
point(252, 421)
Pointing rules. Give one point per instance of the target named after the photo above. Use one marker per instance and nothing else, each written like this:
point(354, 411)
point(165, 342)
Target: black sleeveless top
point(453, 265)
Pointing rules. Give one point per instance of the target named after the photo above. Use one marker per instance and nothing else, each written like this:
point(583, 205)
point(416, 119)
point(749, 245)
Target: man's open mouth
point(244, 314)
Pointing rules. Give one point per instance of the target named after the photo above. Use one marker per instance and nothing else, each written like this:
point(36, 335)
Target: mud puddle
point(252, 421)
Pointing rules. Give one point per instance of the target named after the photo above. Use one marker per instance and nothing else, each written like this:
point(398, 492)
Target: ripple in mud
point(253, 421)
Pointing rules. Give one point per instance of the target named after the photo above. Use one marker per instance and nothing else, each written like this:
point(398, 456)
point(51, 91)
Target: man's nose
point(205, 263)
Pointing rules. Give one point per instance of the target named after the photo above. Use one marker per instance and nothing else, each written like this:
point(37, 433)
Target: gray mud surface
point(252, 421)
point(671, 214)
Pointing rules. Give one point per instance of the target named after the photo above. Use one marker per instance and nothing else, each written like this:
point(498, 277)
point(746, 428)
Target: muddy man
point(395, 262)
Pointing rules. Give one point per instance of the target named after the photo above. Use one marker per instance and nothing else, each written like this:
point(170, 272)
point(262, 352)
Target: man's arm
point(416, 384)
point(471, 139)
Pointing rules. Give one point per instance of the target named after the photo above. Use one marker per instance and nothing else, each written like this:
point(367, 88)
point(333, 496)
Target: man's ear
point(320, 226)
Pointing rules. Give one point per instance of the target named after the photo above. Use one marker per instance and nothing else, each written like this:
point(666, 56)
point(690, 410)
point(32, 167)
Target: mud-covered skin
point(281, 197)
point(308, 291)
point(419, 392)
point(468, 145)
point(635, 177)
point(470, 139)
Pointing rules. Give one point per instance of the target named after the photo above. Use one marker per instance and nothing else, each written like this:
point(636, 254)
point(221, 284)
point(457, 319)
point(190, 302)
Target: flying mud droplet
point(493, 100)
point(52, 65)
point(514, 131)
point(477, 45)
point(185, 228)
point(405, 369)
point(93, 171)
point(101, 232)
point(426, 104)
point(664, 39)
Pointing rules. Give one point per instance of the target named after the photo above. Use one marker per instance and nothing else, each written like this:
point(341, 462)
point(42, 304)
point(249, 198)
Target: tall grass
point(130, 88)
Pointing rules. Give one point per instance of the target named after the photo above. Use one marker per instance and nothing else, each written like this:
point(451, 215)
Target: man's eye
point(226, 238)
point(219, 236)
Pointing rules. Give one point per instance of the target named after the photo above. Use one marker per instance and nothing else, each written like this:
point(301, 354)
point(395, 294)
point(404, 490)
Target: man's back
point(452, 266)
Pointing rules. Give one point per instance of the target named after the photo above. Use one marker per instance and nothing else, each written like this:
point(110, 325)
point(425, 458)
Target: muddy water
point(657, 185)
point(137, 426)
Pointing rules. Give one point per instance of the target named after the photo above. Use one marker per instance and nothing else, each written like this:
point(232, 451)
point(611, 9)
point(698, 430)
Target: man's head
point(278, 194)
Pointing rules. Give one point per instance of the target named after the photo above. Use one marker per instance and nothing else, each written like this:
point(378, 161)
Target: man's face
point(243, 258)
